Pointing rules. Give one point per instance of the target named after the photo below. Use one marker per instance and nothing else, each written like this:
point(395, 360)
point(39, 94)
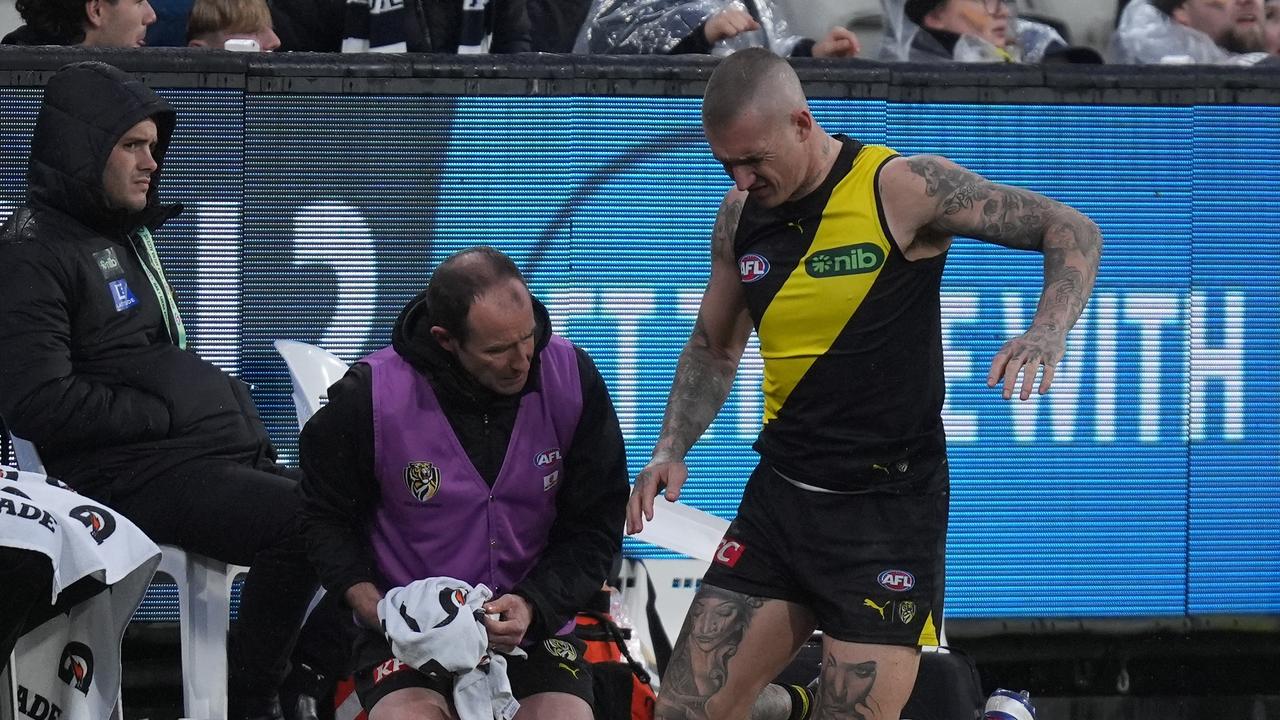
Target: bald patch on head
point(753, 80)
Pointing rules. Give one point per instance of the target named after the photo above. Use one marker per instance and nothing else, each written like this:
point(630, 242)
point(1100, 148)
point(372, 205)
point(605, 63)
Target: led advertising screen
point(1143, 485)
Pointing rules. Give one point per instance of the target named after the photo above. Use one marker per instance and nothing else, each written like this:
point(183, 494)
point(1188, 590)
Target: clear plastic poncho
point(902, 42)
point(1146, 35)
point(654, 27)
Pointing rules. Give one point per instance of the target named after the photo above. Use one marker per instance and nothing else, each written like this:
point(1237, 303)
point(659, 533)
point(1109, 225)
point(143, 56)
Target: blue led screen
point(1143, 485)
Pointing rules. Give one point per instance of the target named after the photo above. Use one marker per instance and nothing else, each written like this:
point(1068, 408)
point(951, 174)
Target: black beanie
point(917, 9)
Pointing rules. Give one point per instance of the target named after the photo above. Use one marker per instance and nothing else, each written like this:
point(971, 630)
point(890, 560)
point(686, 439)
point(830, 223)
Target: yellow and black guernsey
point(850, 331)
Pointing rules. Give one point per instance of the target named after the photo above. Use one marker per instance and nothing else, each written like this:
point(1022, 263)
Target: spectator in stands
point(971, 31)
point(170, 27)
point(214, 22)
point(91, 23)
point(554, 24)
point(643, 27)
point(497, 459)
point(1272, 26)
point(1217, 32)
point(96, 372)
point(439, 26)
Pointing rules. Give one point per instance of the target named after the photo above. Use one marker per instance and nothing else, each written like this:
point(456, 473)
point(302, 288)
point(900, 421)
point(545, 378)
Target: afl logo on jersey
point(752, 267)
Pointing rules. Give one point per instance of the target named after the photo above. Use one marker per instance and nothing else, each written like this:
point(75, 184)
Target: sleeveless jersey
point(850, 331)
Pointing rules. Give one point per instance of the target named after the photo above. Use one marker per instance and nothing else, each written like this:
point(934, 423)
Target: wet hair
point(917, 10)
point(227, 16)
point(462, 278)
point(63, 19)
point(753, 78)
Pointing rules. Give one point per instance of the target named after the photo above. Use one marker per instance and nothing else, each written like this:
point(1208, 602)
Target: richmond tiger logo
point(423, 479)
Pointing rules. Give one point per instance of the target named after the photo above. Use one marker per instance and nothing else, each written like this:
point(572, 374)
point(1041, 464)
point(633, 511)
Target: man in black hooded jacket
point(95, 370)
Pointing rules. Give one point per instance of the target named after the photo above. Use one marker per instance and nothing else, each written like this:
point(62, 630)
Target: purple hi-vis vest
point(437, 516)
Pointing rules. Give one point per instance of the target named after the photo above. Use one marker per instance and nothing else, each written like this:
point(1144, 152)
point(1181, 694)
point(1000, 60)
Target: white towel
point(437, 626)
point(71, 663)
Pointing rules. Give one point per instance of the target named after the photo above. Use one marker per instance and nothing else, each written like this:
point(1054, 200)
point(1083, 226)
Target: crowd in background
point(1219, 32)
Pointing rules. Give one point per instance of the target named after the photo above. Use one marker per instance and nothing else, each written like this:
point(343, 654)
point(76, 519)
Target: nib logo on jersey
point(100, 523)
point(847, 260)
point(76, 666)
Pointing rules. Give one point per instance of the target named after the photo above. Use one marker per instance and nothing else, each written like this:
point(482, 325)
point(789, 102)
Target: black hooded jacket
point(96, 383)
point(341, 489)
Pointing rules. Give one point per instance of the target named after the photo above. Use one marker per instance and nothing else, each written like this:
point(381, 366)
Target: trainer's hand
point(657, 476)
point(728, 23)
point(1025, 355)
point(514, 618)
point(840, 42)
point(363, 599)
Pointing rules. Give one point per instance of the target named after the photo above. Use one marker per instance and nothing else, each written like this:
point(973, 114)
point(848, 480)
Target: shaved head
point(753, 80)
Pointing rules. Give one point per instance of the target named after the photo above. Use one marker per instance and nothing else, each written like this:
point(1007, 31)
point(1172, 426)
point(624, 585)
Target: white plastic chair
point(204, 612)
point(204, 616)
point(312, 370)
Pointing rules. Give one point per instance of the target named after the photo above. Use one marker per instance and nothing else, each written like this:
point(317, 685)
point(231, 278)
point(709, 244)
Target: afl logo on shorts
point(561, 649)
point(729, 552)
point(423, 479)
point(752, 267)
point(896, 580)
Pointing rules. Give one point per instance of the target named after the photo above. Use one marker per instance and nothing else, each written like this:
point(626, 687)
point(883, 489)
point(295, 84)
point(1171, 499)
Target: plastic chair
point(204, 616)
point(312, 370)
point(26, 455)
point(204, 612)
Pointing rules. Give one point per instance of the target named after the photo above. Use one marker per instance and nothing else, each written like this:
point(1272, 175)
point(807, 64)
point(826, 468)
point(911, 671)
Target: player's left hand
point(1025, 355)
point(514, 615)
point(840, 42)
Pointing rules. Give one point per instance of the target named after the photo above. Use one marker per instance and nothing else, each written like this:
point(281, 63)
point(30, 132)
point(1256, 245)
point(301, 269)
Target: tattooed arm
point(934, 199)
point(704, 372)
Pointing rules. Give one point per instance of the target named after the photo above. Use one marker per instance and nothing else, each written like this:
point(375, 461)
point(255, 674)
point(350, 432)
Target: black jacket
point(430, 25)
point(98, 385)
point(341, 490)
point(29, 35)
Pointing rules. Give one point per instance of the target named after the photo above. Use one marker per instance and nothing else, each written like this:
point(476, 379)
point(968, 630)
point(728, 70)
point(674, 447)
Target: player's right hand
point(657, 476)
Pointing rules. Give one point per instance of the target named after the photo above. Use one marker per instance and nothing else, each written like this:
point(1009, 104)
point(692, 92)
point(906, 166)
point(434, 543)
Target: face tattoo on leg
point(700, 662)
point(844, 691)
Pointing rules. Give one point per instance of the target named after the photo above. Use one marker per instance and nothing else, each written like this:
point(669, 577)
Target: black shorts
point(870, 566)
point(554, 665)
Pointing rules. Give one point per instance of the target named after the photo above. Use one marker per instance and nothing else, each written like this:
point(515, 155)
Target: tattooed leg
point(864, 682)
point(730, 647)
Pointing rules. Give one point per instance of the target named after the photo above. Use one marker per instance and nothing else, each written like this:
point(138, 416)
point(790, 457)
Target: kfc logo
point(729, 552)
point(386, 669)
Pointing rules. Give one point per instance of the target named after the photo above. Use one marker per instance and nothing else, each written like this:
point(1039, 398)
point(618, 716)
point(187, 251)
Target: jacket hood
point(87, 108)
point(413, 341)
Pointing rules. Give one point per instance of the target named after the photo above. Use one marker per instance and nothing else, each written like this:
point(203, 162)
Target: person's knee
point(554, 706)
point(411, 704)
